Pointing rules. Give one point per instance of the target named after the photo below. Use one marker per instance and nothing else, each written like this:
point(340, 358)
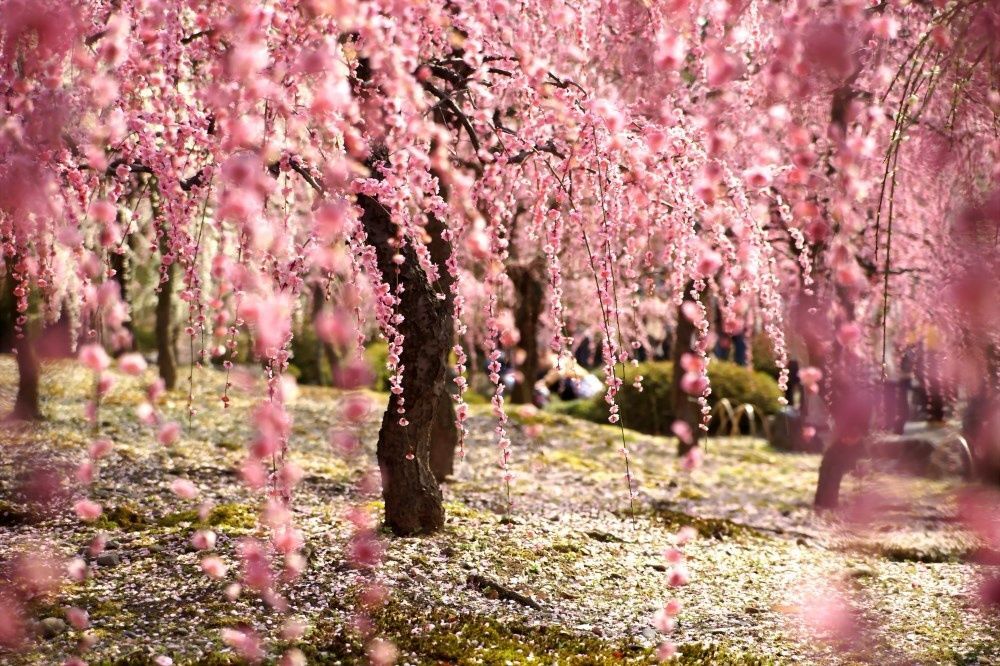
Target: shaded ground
point(593, 571)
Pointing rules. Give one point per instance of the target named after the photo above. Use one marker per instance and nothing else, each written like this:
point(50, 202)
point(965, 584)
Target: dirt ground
point(586, 570)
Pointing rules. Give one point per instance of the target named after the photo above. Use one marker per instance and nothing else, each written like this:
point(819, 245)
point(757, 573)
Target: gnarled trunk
point(413, 502)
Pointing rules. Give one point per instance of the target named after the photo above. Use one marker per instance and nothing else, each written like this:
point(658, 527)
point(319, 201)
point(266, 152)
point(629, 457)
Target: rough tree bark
point(444, 438)
point(165, 358)
point(413, 502)
point(686, 407)
point(26, 402)
point(119, 265)
point(530, 296)
point(26, 406)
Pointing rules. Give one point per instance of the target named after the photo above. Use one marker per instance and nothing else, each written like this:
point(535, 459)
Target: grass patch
point(448, 636)
point(125, 517)
point(232, 515)
point(716, 528)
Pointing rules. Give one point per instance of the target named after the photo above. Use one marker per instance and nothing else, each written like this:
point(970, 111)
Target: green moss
point(929, 553)
point(574, 460)
point(718, 655)
point(460, 510)
point(143, 658)
point(716, 528)
point(452, 637)
point(229, 446)
point(564, 546)
point(12, 515)
point(449, 636)
point(232, 515)
point(125, 517)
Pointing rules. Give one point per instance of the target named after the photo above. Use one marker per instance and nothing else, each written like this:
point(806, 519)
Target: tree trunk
point(26, 403)
point(839, 458)
point(326, 350)
point(686, 407)
point(165, 358)
point(530, 296)
point(444, 438)
point(119, 264)
point(413, 501)
point(26, 406)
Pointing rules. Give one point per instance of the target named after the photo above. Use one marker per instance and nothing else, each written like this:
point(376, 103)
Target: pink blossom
point(293, 629)
point(146, 414)
point(100, 448)
point(203, 540)
point(355, 408)
point(709, 263)
point(13, 629)
point(184, 489)
point(694, 383)
point(335, 328)
point(692, 460)
point(678, 576)
point(685, 535)
point(156, 389)
point(288, 539)
point(722, 67)
point(103, 212)
point(85, 472)
point(382, 652)
point(76, 569)
point(666, 651)
point(94, 357)
point(132, 364)
point(293, 657)
point(214, 567)
point(169, 432)
point(245, 642)
point(78, 618)
point(849, 334)
point(87, 510)
point(810, 377)
point(682, 430)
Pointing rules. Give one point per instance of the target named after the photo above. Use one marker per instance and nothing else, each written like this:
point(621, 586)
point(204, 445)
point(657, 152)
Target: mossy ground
point(572, 543)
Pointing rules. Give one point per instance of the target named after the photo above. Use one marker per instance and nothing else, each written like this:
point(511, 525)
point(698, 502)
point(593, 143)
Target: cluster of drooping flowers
point(696, 142)
point(664, 620)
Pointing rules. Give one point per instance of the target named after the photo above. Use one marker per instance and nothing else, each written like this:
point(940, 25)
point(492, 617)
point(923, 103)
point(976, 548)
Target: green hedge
point(650, 410)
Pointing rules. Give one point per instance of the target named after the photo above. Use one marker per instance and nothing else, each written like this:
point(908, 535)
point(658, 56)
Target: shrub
point(308, 364)
point(377, 355)
point(651, 410)
point(762, 350)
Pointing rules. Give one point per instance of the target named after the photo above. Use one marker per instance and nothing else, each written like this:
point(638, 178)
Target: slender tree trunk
point(326, 349)
point(165, 358)
point(413, 501)
point(686, 407)
point(26, 403)
point(530, 296)
point(118, 264)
